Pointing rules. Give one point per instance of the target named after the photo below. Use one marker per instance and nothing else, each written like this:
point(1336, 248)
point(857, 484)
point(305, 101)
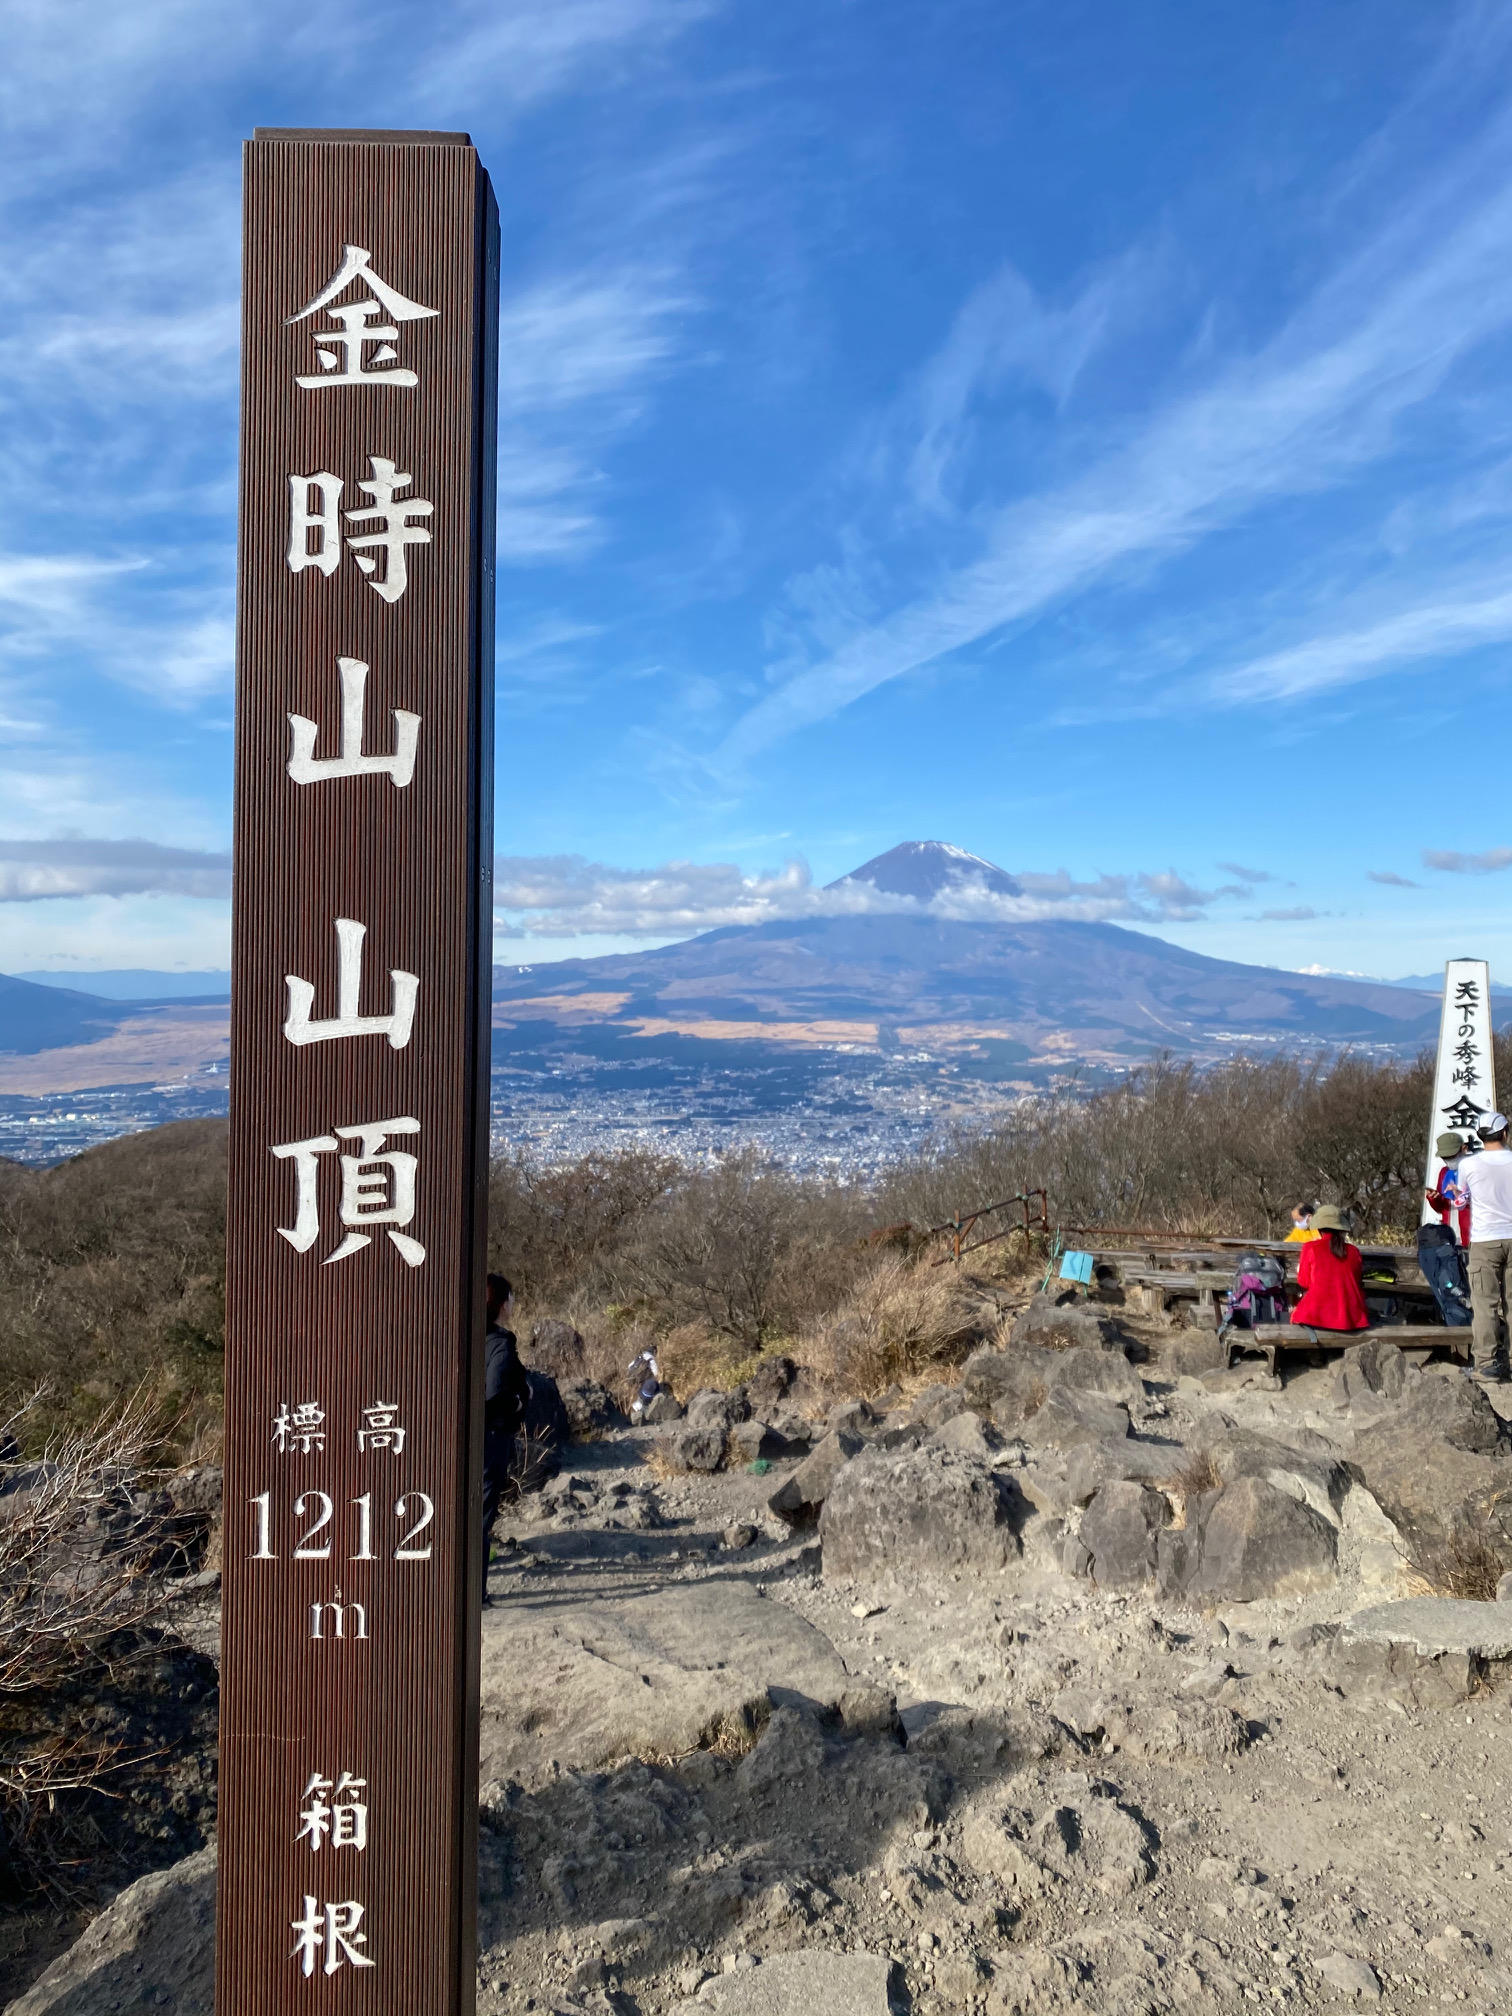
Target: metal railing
point(964, 1223)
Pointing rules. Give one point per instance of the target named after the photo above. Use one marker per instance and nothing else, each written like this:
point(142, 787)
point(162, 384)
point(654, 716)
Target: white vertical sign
point(1464, 1084)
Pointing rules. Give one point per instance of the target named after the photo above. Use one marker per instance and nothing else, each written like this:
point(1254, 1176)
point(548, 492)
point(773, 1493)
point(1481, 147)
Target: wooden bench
point(1417, 1340)
point(1153, 1285)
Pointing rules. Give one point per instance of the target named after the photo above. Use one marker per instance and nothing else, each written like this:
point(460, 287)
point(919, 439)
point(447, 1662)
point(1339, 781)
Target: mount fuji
point(1008, 1000)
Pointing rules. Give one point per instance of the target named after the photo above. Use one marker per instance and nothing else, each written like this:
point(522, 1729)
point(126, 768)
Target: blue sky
point(1079, 433)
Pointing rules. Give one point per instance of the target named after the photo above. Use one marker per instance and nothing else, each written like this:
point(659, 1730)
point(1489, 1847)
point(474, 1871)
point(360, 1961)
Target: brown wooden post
point(359, 1120)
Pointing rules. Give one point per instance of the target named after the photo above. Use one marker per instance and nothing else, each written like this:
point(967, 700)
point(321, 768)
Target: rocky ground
point(1097, 1677)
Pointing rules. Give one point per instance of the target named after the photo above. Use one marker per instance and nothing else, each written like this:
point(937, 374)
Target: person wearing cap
point(1328, 1273)
point(1486, 1180)
point(1447, 1196)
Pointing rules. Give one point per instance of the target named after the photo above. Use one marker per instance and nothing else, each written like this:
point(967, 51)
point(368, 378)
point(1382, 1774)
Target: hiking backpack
point(1258, 1294)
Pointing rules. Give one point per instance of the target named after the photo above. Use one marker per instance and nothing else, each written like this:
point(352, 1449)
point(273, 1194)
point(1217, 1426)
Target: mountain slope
point(1050, 990)
point(34, 1018)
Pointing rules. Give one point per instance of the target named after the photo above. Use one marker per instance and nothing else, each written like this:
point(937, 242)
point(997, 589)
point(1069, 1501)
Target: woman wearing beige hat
point(1328, 1273)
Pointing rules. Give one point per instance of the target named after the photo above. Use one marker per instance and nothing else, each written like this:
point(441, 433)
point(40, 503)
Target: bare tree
point(77, 1551)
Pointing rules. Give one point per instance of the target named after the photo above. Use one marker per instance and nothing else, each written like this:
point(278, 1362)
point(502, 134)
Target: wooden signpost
point(361, 968)
point(1464, 1077)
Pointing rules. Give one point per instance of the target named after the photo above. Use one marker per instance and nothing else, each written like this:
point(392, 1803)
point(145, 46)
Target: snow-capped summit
point(928, 868)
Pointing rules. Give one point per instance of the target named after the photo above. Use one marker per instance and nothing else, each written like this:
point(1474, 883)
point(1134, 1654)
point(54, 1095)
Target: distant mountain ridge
point(137, 983)
point(1001, 999)
point(1013, 1003)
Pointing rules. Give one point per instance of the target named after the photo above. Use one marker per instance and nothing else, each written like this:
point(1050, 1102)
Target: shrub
point(77, 1550)
point(742, 1248)
point(112, 1281)
point(898, 1321)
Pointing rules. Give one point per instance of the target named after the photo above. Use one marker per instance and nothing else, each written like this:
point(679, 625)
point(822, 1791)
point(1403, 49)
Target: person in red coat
point(1328, 1273)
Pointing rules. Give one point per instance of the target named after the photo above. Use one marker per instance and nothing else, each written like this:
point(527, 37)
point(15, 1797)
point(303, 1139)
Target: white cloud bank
point(35, 871)
point(564, 896)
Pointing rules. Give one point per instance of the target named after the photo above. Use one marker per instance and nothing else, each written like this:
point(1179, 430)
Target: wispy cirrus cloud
point(1251, 875)
point(578, 355)
point(1005, 335)
point(522, 51)
point(1442, 627)
point(1304, 412)
point(175, 646)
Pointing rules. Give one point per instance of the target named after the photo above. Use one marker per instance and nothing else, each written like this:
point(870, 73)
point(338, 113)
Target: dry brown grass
point(1466, 1566)
point(1200, 1475)
point(660, 1464)
point(899, 1321)
point(693, 1356)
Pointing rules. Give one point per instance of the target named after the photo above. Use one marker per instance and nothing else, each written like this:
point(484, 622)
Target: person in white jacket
point(649, 1382)
point(1486, 1180)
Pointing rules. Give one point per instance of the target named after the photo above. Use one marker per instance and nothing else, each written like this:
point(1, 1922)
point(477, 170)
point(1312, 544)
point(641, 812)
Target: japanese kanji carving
point(299, 1428)
point(332, 1930)
point(315, 511)
point(341, 350)
point(340, 1818)
point(378, 1190)
point(305, 767)
point(299, 1027)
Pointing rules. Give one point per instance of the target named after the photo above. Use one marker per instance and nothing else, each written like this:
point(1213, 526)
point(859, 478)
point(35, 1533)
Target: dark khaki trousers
point(1490, 1280)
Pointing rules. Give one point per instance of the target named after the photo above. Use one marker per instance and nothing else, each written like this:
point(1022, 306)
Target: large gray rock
point(154, 1945)
point(1123, 1459)
point(1068, 1417)
point(712, 1407)
point(1438, 1463)
point(196, 1490)
point(557, 1349)
point(695, 1446)
point(934, 1404)
point(1436, 1624)
point(1304, 1466)
point(854, 1417)
point(1013, 1385)
point(968, 1434)
point(591, 1408)
point(1007, 1385)
point(1432, 1651)
point(1443, 1402)
point(1119, 1531)
point(1256, 1540)
point(798, 1499)
point(1085, 1834)
point(799, 1984)
point(664, 1407)
point(580, 1685)
point(1089, 1370)
point(918, 1512)
point(1370, 1374)
point(753, 1442)
point(770, 1382)
point(1057, 1327)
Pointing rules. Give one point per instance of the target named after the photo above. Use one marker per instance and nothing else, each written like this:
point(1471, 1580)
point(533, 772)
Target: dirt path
point(1100, 1802)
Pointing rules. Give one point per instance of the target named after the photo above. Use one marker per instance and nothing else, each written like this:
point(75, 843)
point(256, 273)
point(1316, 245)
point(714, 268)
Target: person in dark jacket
point(506, 1395)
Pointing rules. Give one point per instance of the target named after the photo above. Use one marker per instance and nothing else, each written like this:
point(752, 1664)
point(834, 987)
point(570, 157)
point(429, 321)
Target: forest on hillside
point(112, 1265)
